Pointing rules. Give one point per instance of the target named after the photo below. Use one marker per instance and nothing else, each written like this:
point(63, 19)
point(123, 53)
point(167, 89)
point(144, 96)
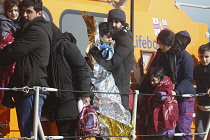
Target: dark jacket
point(68, 70)
point(31, 51)
point(183, 70)
point(202, 78)
point(178, 65)
point(121, 63)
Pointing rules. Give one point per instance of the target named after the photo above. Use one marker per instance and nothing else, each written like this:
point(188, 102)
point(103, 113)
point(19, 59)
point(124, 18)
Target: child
point(202, 78)
point(9, 25)
point(104, 43)
point(162, 114)
point(107, 44)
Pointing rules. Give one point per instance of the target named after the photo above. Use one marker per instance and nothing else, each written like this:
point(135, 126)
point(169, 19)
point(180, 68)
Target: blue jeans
point(201, 120)
point(186, 109)
point(25, 111)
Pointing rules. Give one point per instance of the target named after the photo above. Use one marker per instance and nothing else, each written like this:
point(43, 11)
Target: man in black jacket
point(30, 51)
point(122, 61)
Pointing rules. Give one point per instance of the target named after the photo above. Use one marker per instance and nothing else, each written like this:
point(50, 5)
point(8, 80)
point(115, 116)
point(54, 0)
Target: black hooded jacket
point(68, 71)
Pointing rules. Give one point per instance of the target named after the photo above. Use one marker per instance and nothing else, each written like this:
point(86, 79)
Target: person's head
point(184, 39)
point(117, 18)
point(11, 9)
point(156, 75)
point(204, 54)
point(30, 9)
point(105, 32)
point(165, 40)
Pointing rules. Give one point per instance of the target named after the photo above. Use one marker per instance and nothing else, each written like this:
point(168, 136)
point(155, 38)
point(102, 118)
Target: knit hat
point(117, 14)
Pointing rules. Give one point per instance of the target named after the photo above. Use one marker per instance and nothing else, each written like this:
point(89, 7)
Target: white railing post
point(36, 107)
point(207, 129)
point(134, 113)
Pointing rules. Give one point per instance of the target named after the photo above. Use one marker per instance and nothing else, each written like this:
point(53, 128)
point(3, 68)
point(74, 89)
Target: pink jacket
point(5, 72)
point(165, 113)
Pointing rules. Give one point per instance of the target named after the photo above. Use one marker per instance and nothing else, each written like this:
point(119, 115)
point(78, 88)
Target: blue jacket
point(183, 70)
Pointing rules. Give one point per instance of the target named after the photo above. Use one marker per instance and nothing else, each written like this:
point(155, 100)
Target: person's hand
point(158, 95)
point(91, 46)
point(93, 61)
point(172, 98)
point(173, 92)
point(8, 102)
point(112, 42)
point(85, 100)
point(208, 92)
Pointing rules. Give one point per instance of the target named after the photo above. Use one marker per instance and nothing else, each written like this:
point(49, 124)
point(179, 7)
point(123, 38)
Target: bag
point(88, 123)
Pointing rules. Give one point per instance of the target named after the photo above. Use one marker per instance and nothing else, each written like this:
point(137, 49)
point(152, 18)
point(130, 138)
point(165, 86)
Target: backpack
point(88, 123)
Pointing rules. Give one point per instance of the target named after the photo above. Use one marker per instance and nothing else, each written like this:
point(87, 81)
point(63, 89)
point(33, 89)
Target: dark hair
point(37, 4)
point(105, 29)
point(8, 4)
point(203, 48)
point(157, 72)
point(166, 37)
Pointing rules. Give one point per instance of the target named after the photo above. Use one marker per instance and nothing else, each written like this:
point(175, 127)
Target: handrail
point(178, 4)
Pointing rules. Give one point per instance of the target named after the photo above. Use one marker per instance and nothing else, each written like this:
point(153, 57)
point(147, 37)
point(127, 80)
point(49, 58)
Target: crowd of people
point(34, 52)
point(178, 66)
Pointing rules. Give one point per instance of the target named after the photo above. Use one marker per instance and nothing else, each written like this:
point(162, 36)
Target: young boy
point(107, 44)
point(202, 78)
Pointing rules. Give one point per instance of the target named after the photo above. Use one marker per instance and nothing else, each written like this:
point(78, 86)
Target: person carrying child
point(9, 25)
point(202, 79)
point(120, 65)
point(178, 65)
point(109, 106)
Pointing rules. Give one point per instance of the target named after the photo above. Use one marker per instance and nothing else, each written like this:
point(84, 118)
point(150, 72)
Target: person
point(162, 110)
point(106, 42)
point(120, 65)
point(202, 79)
point(67, 70)
point(30, 51)
point(178, 65)
point(9, 26)
point(109, 105)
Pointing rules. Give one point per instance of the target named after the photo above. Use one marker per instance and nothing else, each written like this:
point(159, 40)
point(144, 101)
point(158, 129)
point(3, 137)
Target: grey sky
point(197, 14)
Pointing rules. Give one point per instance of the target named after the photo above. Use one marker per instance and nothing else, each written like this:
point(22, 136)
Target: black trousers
point(67, 128)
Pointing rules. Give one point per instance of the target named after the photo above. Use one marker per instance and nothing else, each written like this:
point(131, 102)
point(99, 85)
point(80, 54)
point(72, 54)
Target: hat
point(117, 14)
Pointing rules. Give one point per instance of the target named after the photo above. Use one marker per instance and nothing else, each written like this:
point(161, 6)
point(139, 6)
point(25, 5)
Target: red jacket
point(5, 72)
point(165, 113)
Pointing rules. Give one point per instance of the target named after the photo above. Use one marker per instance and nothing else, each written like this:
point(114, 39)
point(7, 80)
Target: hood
point(3, 17)
point(184, 38)
point(65, 35)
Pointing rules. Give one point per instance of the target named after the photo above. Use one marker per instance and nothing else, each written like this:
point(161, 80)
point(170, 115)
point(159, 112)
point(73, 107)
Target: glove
point(158, 95)
point(8, 102)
